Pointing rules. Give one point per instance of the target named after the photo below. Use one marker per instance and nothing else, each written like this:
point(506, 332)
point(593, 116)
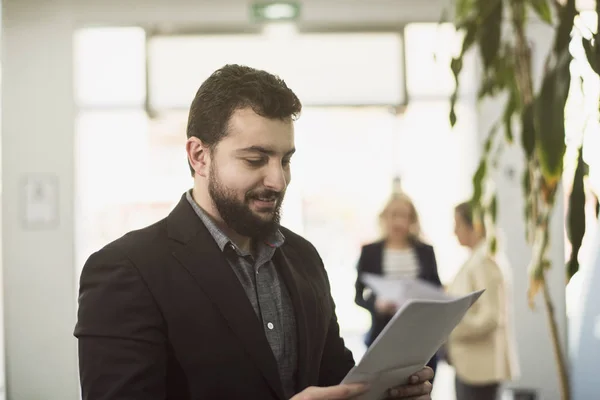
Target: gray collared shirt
point(268, 296)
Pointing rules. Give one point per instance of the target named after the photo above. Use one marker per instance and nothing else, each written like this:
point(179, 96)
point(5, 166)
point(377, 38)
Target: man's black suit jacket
point(162, 316)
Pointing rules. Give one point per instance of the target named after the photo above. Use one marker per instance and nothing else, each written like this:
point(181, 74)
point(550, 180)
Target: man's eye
point(285, 163)
point(255, 162)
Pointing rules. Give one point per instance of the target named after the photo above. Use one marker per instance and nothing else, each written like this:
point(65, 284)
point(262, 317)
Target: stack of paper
point(400, 291)
point(410, 339)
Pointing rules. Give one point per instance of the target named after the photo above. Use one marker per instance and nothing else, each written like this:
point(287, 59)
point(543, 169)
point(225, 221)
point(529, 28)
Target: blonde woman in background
point(479, 347)
point(400, 254)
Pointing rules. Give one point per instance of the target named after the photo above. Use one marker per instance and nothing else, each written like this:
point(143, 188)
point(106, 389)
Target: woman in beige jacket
point(479, 348)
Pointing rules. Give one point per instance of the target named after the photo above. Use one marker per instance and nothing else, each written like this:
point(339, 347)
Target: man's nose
point(276, 178)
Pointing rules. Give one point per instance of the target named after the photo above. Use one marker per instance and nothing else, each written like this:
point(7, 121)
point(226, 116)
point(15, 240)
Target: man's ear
point(198, 156)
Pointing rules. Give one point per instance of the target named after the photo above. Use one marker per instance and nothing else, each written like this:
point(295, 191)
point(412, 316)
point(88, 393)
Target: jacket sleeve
point(120, 332)
point(484, 316)
point(363, 297)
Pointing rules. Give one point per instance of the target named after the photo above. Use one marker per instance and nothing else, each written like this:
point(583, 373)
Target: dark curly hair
point(231, 88)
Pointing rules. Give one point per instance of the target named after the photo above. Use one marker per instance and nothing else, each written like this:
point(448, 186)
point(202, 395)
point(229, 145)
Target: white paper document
point(400, 291)
point(408, 342)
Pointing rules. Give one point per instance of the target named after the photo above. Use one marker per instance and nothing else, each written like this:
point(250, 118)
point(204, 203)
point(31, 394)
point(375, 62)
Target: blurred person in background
point(479, 348)
point(401, 254)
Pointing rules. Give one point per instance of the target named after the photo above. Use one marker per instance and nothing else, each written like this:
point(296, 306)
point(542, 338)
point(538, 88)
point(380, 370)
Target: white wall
point(536, 358)
point(37, 136)
point(586, 327)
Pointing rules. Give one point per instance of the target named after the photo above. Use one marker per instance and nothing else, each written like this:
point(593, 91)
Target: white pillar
point(536, 359)
point(37, 139)
point(585, 326)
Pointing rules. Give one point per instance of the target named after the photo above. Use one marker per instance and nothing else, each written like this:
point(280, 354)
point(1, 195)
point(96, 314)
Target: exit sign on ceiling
point(275, 11)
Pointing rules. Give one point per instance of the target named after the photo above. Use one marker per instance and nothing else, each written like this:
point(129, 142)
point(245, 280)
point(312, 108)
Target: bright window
point(323, 69)
point(110, 67)
point(429, 50)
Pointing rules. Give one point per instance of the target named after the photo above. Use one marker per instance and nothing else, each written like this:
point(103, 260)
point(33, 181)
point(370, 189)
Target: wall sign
point(40, 202)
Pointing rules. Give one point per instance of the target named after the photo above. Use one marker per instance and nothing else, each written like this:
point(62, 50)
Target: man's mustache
point(265, 194)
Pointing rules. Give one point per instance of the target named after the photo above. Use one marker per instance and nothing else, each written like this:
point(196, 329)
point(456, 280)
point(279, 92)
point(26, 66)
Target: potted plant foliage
point(498, 30)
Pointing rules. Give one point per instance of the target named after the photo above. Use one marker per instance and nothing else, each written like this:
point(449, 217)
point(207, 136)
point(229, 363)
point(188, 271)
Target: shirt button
point(270, 325)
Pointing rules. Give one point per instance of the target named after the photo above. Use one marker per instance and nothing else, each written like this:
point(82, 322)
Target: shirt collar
point(481, 249)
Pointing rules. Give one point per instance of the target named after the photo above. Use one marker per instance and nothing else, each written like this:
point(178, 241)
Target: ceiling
point(208, 15)
point(205, 16)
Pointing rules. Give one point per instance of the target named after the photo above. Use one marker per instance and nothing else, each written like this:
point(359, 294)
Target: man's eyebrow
point(263, 150)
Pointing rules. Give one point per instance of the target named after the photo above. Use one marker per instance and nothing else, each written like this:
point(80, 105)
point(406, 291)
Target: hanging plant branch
point(498, 30)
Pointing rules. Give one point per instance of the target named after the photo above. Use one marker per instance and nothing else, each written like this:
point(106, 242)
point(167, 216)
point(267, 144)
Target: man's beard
point(238, 215)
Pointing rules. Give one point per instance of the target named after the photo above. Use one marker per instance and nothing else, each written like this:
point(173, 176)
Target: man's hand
point(385, 307)
point(339, 392)
point(418, 388)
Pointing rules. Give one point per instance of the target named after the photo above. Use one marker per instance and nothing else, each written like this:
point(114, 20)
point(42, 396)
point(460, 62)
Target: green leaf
point(500, 75)
point(528, 131)
point(489, 39)
point(487, 147)
point(565, 27)
point(526, 182)
point(550, 120)
point(509, 110)
point(488, 87)
point(493, 245)
point(456, 66)
point(526, 185)
point(493, 208)
point(478, 180)
point(453, 110)
point(471, 28)
point(505, 68)
point(471, 31)
point(542, 9)
point(463, 9)
point(590, 53)
point(576, 216)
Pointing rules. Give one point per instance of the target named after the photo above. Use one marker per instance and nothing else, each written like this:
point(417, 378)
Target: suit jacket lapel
point(425, 261)
point(201, 256)
point(378, 258)
point(285, 259)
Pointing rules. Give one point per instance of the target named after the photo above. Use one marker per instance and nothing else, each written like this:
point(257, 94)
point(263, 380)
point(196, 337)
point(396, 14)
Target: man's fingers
point(418, 391)
point(339, 392)
point(426, 374)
